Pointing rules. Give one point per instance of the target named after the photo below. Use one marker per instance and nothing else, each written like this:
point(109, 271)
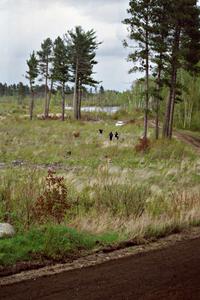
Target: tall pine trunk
point(79, 100)
point(158, 103)
point(146, 86)
point(46, 113)
point(63, 102)
point(32, 102)
point(75, 98)
point(49, 97)
point(169, 113)
point(171, 117)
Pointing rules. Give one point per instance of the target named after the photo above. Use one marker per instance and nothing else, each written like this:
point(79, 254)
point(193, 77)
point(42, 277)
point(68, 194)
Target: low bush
point(143, 145)
point(121, 200)
point(54, 201)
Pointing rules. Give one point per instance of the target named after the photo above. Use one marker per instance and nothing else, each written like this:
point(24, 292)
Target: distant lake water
point(106, 109)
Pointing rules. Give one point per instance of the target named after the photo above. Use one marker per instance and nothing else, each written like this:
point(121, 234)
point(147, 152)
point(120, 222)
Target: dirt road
point(188, 139)
point(171, 273)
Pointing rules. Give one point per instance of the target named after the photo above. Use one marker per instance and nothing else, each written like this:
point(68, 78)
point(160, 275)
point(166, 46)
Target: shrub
point(143, 145)
point(54, 201)
point(124, 200)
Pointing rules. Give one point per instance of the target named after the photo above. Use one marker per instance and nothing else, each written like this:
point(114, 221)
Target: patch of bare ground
point(188, 139)
point(185, 137)
point(122, 250)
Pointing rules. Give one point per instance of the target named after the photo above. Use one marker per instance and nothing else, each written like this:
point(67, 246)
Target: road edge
point(101, 257)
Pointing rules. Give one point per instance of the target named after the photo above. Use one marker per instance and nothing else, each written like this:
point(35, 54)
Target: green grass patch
point(50, 242)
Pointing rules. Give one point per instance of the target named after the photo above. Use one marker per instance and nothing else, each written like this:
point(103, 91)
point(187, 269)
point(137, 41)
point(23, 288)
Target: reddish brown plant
point(54, 202)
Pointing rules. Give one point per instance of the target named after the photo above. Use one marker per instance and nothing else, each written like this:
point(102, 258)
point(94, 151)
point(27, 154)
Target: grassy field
point(100, 192)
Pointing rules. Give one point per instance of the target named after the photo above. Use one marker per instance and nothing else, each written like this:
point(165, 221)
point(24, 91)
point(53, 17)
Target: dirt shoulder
point(167, 269)
point(188, 139)
point(108, 254)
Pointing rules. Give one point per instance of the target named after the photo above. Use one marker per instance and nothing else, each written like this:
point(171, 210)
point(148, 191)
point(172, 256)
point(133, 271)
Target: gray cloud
point(106, 11)
point(24, 24)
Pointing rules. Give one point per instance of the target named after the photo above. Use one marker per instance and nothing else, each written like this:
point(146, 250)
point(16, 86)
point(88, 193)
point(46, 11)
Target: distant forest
point(22, 90)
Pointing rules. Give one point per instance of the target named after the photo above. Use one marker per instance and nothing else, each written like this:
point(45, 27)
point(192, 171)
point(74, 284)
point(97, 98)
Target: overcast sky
point(24, 24)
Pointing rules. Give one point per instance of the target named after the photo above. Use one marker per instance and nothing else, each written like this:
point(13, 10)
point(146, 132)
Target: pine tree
point(45, 58)
point(2, 90)
point(159, 45)
point(184, 39)
point(139, 26)
point(82, 48)
point(60, 69)
point(32, 74)
point(101, 90)
point(20, 91)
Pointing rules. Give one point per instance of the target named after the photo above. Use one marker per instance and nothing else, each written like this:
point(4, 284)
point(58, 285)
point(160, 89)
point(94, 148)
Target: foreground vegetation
point(54, 243)
point(64, 186)
point(97, 192)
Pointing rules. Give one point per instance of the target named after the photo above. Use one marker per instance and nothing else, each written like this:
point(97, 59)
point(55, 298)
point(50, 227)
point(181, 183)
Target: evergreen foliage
point(82, 46)
point(32, 74)
point(45, 58)
point(139, 26)
point(168, 35)
point(60, 68)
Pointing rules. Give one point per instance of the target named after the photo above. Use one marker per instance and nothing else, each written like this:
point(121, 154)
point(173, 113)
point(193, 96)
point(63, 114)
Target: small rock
point(120, 123)
point(17, 162)
point(6, 230)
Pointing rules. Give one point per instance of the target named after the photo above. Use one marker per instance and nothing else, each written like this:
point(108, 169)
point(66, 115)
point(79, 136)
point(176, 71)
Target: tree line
point(22, 90)
point(19, 89)
point(66, 60)
point(164, 38)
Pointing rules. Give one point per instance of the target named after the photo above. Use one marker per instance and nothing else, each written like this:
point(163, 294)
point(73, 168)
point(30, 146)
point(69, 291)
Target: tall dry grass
point(106, 204)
